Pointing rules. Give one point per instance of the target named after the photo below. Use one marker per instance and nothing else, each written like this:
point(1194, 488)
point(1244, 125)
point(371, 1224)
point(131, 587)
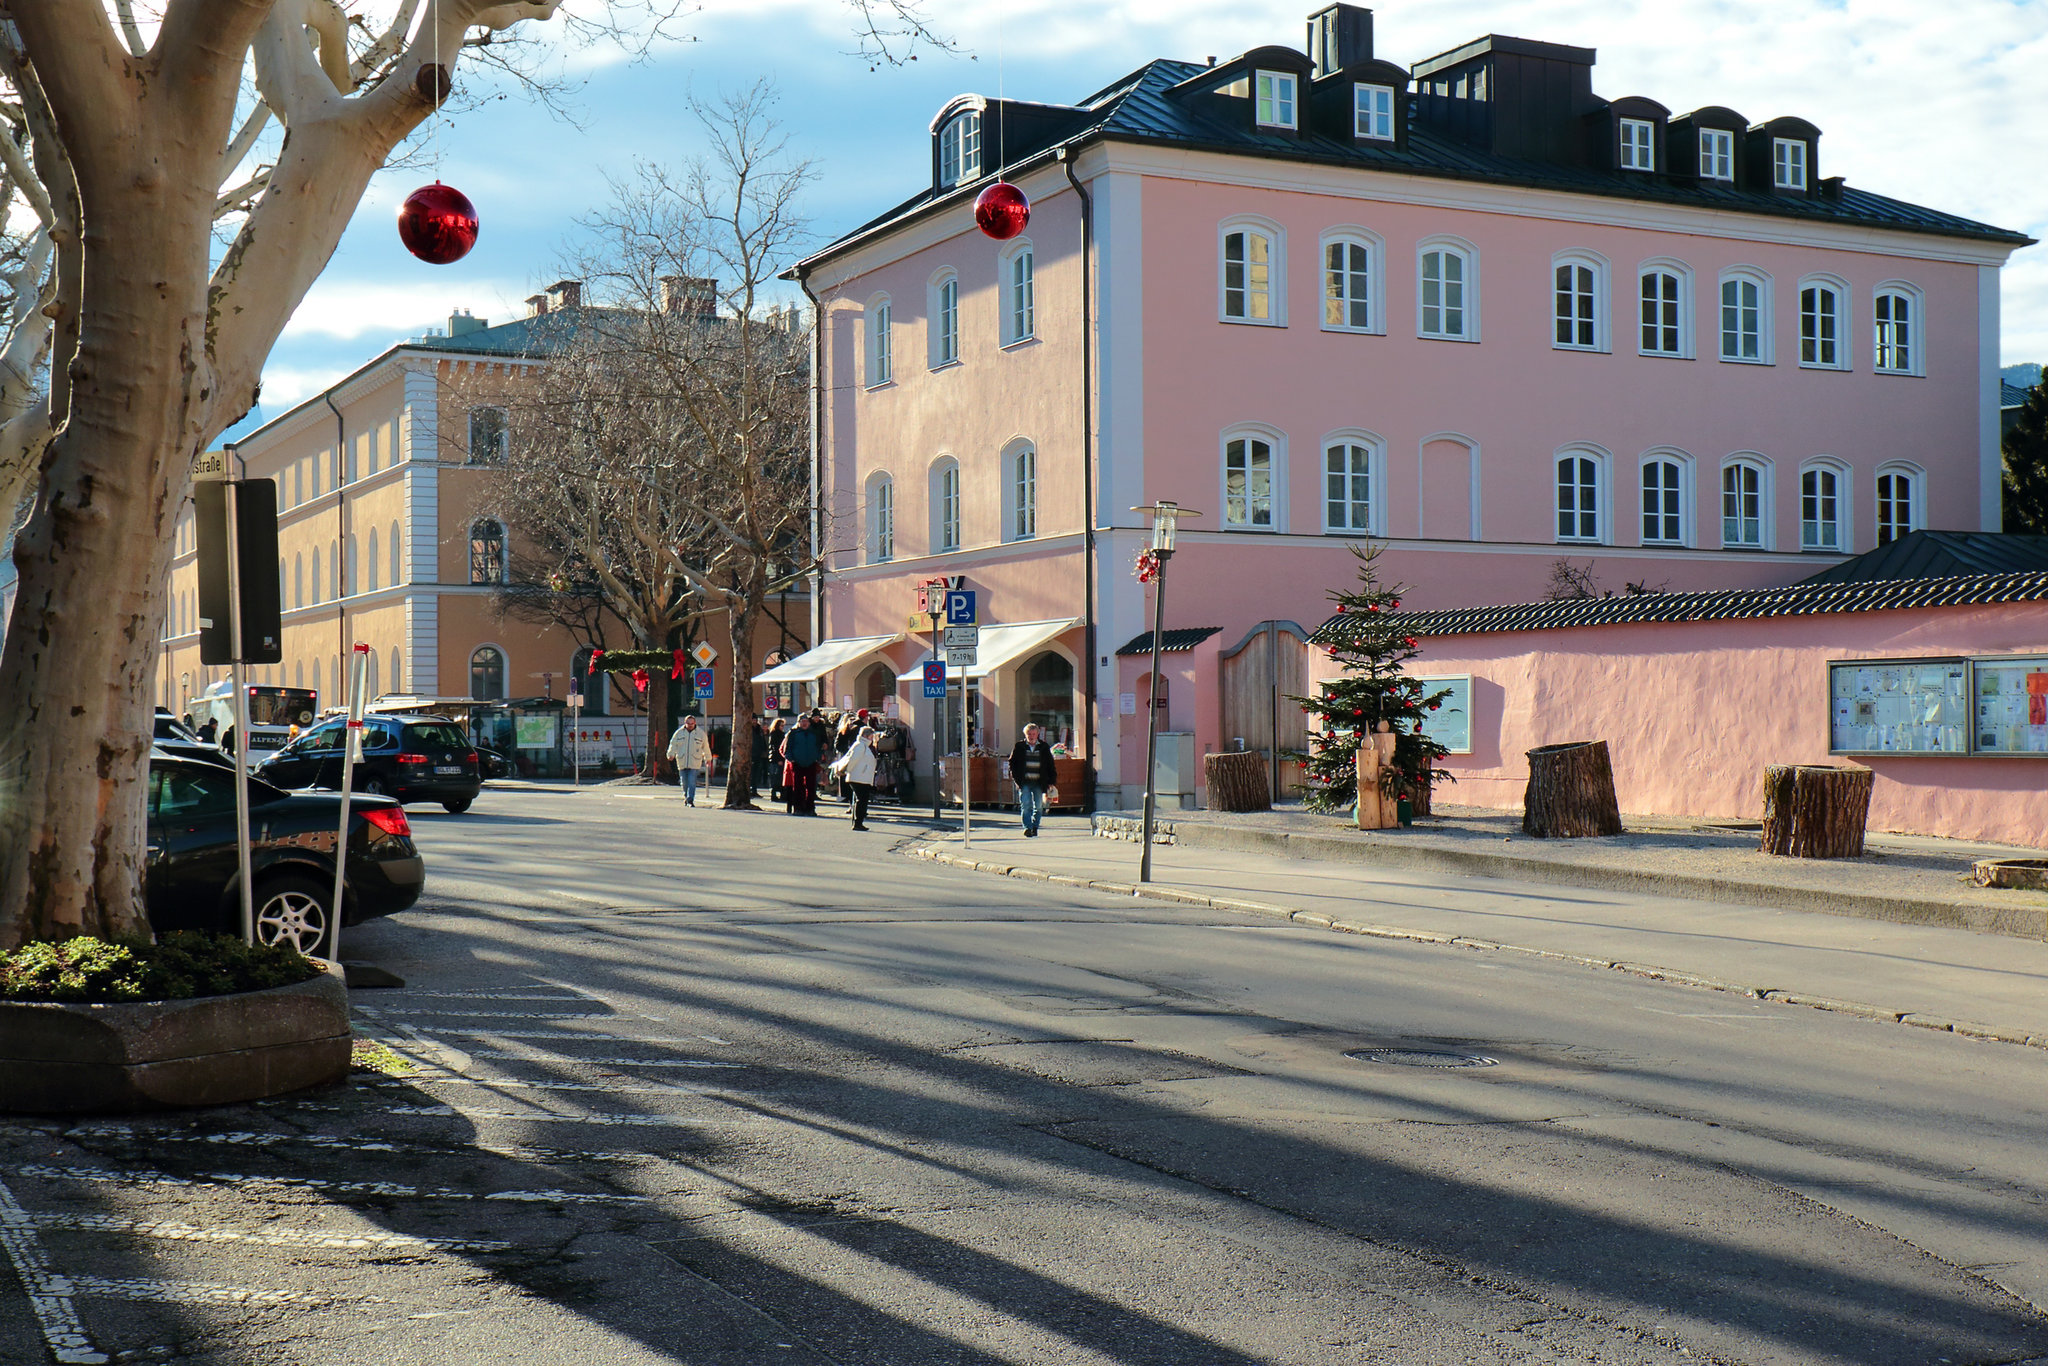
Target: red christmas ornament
point(438, 224)
point(1001, 211)
point(640, 679)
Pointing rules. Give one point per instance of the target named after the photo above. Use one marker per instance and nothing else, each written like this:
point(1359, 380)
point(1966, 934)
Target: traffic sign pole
point(351, 750)
point(936, 604)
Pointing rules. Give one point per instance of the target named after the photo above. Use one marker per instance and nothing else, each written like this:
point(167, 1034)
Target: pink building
point(1469, 308)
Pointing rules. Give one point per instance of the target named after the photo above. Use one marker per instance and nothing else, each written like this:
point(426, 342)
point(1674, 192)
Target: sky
point(1938, 104)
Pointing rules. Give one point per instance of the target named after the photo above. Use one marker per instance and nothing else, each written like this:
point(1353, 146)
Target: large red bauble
point(437, 223)
point(1001, 211)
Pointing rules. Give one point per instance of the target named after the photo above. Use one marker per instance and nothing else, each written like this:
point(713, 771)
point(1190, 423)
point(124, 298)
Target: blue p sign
point(934, 679)
point(960, 607)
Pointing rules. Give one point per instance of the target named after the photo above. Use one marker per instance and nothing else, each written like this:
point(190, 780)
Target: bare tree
point(129, 138)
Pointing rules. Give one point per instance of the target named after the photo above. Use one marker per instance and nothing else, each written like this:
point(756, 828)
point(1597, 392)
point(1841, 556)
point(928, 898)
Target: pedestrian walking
point(778, 731)
point(757, 767)
point(1031, 768)
point(209, 730)
point(857, 767)
point(802, 748)
point(691, 749)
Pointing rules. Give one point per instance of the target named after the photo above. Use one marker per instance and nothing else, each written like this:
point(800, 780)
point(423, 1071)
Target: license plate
point(448, 768)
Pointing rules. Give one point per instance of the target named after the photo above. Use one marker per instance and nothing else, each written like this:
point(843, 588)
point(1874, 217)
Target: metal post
point(241, 689)
point(1152, 720)
point(938, 715)
point(576, 736)
point(966, 763)
point(351, 750)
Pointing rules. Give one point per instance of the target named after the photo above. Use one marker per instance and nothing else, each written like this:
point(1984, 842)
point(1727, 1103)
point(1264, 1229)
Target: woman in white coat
point(857, 765)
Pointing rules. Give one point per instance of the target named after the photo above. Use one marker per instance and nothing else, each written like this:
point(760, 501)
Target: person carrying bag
point(857, 767)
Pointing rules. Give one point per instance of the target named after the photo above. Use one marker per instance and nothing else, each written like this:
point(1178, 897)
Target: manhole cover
point(1420, 1057)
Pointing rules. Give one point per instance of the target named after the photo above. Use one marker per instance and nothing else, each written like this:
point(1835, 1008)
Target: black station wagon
point(412, 758)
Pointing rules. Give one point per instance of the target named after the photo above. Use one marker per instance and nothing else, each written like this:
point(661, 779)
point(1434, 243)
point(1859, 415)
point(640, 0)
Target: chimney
point(1339, 36)
point(536, 304)
point(565, 294)
point(461, 323)
point(689, 296)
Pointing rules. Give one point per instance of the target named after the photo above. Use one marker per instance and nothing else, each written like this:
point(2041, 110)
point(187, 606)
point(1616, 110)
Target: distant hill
point(2026, 376)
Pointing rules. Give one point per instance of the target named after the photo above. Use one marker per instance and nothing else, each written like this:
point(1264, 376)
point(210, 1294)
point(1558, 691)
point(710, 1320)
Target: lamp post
point(1165, 516)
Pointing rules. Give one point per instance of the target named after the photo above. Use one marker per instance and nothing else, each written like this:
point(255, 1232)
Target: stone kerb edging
point(1322, 920)
point(61, 1058)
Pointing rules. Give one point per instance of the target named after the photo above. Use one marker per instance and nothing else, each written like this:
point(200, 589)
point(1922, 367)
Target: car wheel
point(294, 911)
point(457, 808)
point(374, 787)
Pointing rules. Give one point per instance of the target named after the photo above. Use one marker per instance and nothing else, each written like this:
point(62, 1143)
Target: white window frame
point(1602, 462)
point(1788, 163)
point(1348, 237)
point(942, 329)
point(965, 150)
point(1020, 491)
point(475, 456)
point(945, 500)
point(880, 507)
point(1687, 331)
point(1683, 463)
point(1276, 442)
point(879, 362)
point(1595, 273)
point(1717, 154)
point(1839, 315)
point(1276, 99)
point(1844, 519)
point(1740, 275)
point(1916, 329)
point(1916, 498)
point(1018, 297)
point(1372, 112)
point(1275, 293)
point(1348, 439)
point(1638, 153)
point(1469, 255)
point(1760, 466)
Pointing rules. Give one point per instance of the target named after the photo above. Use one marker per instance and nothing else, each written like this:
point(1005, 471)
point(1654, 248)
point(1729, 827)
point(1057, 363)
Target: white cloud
point(288, 386)
point(350, 309)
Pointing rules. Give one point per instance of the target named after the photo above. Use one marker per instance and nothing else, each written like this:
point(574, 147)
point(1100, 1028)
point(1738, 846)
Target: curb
point(1323, 920)
point(2017, 922)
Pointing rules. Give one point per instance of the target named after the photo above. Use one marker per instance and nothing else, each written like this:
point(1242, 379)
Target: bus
point(275, 715)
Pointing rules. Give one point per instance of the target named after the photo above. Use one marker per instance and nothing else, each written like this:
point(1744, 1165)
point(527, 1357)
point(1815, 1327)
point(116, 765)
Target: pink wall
point(1691, 713)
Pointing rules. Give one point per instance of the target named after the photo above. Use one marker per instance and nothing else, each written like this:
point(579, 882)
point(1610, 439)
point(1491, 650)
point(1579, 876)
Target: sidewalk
point(1683, 904)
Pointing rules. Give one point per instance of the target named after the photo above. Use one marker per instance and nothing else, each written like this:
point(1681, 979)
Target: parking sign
point(960, 607)
point(934, 679)
point(706, 681)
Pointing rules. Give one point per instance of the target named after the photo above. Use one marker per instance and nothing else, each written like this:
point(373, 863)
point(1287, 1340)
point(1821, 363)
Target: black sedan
point(192, 878)
point(412, 758)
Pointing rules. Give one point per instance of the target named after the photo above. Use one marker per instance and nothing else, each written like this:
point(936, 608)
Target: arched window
point(487, 673)
point(397, 574)
point(487, 436)
point(1667, 489)
point(299, 580)
point(1253, 463)
point(880, 366)
point(945, 505)
point(1746, 316)
point(1049, 696)
point(373, 564)
point(1020, 491)
point(1353, 482)
point(349, 567)
point(877, 685)
point(1447, 294)
point(315, 596)
point(1581, 508)
point(1250, 272)
point(1578, 301)
point(1020, 313)
point(1898, 329)
point(1898, 502)
point(960, 148)
point(1824, 520)
point(943, 330)
point(334, 568)
point(1664, 289)
point(881, 519)
point(1745, 503)
point(1823, 323)
point(397, 671)
point(1352, 281)
point(370, 688)
point(486, 551)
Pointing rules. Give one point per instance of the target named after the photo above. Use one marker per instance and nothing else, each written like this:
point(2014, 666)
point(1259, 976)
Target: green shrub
point(181, 965)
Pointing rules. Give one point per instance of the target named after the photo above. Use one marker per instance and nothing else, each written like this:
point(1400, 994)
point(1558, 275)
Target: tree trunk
point(1571, 792)
point(1238, 781)
point(739, 773)
point(1815, 810)
point(658, 768)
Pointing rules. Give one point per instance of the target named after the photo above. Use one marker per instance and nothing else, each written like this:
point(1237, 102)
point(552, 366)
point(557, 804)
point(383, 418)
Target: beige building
point(382, 538)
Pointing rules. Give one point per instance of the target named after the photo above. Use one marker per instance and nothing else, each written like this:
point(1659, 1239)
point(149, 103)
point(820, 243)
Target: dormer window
point(960, 149)
point(1373, 112)
point(1275, 95)
point(1788, 163)
point(1717, 154)
point(1637, 144)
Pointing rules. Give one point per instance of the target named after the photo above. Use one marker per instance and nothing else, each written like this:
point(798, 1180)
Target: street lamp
point(1165, 517)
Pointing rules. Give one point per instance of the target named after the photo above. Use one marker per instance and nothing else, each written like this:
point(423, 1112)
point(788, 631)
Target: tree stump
point(1571, 792)
point(1238, 780)
point(1815, 810)
point(1378, 809)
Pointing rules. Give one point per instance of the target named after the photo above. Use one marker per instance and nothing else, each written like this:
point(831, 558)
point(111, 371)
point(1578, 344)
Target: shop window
point(1049, 696)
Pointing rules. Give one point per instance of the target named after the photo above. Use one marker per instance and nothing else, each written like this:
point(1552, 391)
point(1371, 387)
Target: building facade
point(1468, 308)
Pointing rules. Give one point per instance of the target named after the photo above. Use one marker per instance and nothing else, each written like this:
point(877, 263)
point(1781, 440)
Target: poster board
point(1451, 724)
point(1984, 707)
point(534, 732)
point(2011, 697)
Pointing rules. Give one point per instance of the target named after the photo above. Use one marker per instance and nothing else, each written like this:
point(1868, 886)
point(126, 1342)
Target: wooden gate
point(1268, 666)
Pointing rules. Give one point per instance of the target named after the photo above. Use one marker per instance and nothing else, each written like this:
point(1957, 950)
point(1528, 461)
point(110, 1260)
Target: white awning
point(999, 646)
point(812, 665)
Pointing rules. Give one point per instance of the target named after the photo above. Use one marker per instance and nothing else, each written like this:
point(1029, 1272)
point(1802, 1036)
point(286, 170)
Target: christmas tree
point(2026, 466)
point(1368, 639)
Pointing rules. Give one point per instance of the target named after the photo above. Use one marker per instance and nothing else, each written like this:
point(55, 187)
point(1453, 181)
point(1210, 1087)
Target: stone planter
point(2028, 873)
point(153, 1055)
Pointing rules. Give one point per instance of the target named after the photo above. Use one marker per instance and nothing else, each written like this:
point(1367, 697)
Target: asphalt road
point(707, 1087)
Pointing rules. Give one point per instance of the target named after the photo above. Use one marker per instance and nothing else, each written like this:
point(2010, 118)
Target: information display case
point(2012, 705)
point(1945, 706)
point(1450, 725)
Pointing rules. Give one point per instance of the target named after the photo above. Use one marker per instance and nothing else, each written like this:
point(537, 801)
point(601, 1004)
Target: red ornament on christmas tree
point(1001, 211)
point(438, 224)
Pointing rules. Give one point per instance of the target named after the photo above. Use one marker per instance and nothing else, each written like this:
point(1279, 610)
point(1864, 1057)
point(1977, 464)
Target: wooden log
point(1378, 809)
point(1815, 810)
point(1238, 780)
point(1571, 792)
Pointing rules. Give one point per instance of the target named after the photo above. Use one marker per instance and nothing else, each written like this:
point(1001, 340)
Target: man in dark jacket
point(801, 751)
point(1031, 768)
